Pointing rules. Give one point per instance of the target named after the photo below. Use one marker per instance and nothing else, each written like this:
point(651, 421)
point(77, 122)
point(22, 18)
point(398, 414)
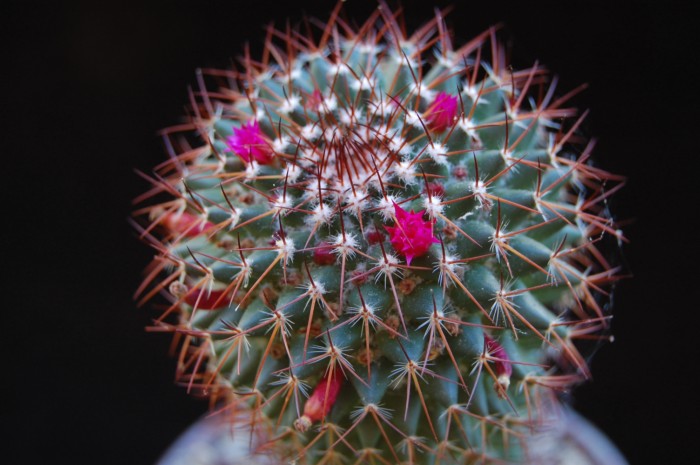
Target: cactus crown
point(382, 245)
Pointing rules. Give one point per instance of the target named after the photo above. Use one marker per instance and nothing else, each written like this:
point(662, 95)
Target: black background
point(92, 82)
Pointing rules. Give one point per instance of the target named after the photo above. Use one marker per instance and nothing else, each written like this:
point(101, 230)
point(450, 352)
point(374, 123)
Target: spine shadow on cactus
point(384, 247)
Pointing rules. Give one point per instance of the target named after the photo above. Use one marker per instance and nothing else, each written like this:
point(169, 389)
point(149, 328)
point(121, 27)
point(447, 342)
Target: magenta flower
point(412, 236)
point(249, 143)
point(442, 112)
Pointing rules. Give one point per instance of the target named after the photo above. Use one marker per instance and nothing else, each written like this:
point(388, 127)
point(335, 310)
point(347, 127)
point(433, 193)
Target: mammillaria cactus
point(381, 246)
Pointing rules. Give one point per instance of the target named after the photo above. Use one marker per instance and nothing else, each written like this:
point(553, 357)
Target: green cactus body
point(384, 249)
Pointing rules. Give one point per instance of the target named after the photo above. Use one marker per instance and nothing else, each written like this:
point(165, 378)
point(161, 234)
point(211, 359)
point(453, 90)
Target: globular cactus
point(383, 247)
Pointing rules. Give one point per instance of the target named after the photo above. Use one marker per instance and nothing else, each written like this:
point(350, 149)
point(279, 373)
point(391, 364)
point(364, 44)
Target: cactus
point(383, 247)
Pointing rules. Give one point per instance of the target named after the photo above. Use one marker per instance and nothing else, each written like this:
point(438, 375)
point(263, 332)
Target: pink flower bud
point(314, 101)
point(459, 172)
point(442, 112)
point(323, 255)
point(249, 143)
point(504, 369)
point(435, 188)
point(412, 236)
point(205, 300)
point(186, 223)
point(374, 237)
point(321, 400)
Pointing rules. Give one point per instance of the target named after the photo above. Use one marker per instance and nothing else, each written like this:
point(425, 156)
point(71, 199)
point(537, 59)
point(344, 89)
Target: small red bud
point(321, 400)
point(323, 254)
point(205, 300)
point(186, 223)
point(315, 100)
point(435, 188)
point(459, 172)
point(503, 366)
point(374, 237)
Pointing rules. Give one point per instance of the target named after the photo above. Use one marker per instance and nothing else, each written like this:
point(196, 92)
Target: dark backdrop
point(92, 82)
